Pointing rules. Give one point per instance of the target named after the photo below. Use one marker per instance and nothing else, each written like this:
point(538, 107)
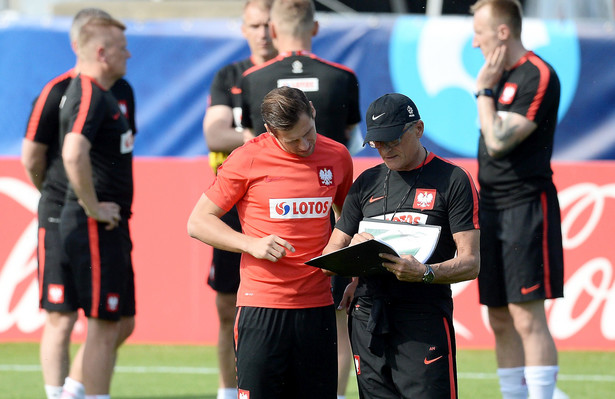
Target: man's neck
point(103, 81)
point(257, 59)
point(293, 44)
point(516, 51)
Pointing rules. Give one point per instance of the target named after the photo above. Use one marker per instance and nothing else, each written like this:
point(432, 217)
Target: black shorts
point(521, 253)
point(224, 272)
point(101, 264)
point(338, 285)
point(57, 290)
point(418, 360)
point(286, 353)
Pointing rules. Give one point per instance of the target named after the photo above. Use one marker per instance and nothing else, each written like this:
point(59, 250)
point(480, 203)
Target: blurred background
point(601, 9)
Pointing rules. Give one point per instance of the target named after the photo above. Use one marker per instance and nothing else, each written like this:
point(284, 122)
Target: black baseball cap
point(387, 115)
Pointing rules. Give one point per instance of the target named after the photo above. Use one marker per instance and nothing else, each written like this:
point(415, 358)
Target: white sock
point(541, 381)
point(53, 392)
point(512, 383)
point(227, 393)
point(559, 394)
point(73, 389)
point(341, 396)
point(97, 397)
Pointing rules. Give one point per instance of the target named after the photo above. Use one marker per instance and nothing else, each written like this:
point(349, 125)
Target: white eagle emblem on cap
point(410, 112)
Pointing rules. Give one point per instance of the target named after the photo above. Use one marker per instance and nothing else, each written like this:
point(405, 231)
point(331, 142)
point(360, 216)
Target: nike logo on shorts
point(427, 361)
point(525, 291)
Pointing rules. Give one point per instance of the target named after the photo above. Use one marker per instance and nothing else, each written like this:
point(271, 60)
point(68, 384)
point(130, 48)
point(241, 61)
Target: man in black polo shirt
point(518, 97)
point(97, 144)
point(401, 325)
point(332, 88)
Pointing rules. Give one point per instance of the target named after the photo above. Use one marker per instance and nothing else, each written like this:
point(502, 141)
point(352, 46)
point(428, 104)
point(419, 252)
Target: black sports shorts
point(101, 264)
point(521, 252)
point(224, 271)
point(418, 359)
point(286, 353)
point(57, 290)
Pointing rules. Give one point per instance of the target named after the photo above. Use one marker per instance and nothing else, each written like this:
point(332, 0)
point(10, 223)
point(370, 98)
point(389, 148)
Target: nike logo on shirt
point(372, 199)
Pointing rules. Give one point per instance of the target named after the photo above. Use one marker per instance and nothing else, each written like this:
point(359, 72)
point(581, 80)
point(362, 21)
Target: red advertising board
point(175, 305)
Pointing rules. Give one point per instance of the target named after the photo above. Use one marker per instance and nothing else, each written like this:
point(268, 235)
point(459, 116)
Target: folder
point(395, 238)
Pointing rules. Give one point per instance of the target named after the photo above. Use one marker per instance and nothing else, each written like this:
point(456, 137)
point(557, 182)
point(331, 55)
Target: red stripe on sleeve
point(37, 111)
point(84, 107)
point(474, 191)
point(545, 75)
point(95, 265)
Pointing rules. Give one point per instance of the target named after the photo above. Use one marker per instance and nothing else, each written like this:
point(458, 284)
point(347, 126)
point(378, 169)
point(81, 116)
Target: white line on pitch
point(213, 370)
point(125, 369)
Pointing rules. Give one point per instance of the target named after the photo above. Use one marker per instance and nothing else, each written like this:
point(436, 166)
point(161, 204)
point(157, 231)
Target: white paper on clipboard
point(418, 240)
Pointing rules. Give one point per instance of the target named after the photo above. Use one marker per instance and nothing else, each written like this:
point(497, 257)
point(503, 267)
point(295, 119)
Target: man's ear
point(503, 32)
point(272, 30)
point(420, 128)
point(313, 110)
point(270, 131)
point(101, 55)
point(315, 28)
point(73, 45)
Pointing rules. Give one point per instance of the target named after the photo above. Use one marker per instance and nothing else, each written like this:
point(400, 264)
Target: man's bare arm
point(34, 160)
point(78, 166)
point(220, 135)
point(502, 131)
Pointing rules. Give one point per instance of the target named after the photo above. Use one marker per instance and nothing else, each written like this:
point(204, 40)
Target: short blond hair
point(508, 12)
point(293, 17)
point(82, 17)
point(93, 27)
point(262, 4)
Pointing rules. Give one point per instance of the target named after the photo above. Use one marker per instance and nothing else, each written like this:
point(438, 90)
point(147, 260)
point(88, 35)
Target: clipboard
point(356, 260)
point(418, 240)
point(395, 238)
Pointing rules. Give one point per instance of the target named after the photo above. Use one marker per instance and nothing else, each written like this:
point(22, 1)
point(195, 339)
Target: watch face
point(429, 275)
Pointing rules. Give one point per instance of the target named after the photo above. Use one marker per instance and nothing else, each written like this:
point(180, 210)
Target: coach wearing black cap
point(401, 322)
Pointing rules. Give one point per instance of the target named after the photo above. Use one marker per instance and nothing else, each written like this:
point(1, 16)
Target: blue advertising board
point(429, 59)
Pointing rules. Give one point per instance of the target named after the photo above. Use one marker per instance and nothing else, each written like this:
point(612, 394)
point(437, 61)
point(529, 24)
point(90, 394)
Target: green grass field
point(189, 372)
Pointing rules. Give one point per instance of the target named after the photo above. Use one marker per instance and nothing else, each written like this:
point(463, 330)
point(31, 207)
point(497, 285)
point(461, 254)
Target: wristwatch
point(429, 275)
point(484, 92)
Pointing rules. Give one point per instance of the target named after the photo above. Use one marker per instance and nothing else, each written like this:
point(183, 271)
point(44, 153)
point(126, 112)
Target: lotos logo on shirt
point(243, 394)
point(299, 208)
point(407, 217)
point(305, 84)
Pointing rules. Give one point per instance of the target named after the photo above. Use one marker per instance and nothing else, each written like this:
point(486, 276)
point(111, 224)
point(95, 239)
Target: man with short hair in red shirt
point(284, 184)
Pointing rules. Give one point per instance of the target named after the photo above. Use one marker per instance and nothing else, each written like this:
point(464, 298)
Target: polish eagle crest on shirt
point(325, 173)
point(424, 198)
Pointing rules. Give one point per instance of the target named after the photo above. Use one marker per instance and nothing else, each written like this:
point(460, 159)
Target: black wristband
point(484, 92)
